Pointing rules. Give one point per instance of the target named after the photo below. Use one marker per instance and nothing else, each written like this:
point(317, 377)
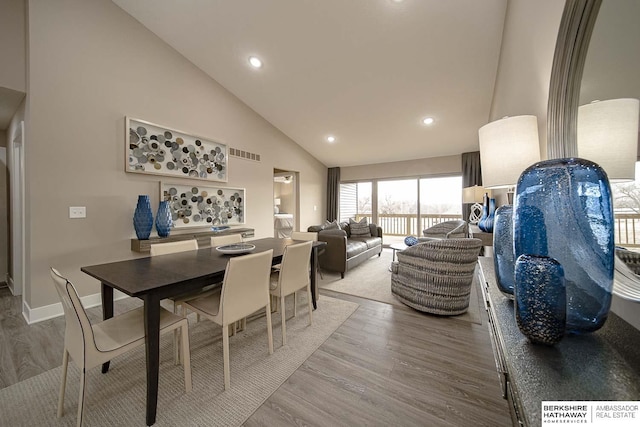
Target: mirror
point(612, 66)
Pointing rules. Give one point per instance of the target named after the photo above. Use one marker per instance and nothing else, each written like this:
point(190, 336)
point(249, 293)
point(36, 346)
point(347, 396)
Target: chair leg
point(83, 379)
point(186, 357)
point(295, 304)
point(63, 382)
point(284, 323)
point(176, 337)
point(309, 304)
point(225, 357)
point(269, 329)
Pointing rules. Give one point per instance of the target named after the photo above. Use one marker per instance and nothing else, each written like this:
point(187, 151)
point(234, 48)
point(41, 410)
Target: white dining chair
point(293, 276)
point(226, 239)
point(245, 290)
point(309, 235)
point(90, 345)
point(173, 248)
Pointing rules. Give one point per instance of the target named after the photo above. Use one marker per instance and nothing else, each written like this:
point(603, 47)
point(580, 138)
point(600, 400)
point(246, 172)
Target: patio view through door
point(402, 207)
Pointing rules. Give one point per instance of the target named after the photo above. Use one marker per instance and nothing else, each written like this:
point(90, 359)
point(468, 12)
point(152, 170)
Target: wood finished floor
point(385, 366)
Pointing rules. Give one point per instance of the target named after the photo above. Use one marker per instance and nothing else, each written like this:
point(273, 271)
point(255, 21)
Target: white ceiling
point(366, 71)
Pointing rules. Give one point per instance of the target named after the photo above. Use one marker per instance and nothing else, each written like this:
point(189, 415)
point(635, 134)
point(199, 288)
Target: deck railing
point(627, 226)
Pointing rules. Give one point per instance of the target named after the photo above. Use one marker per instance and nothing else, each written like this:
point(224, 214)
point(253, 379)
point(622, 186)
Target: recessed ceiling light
point(397, 1)
point(255, 62)
point(331, 138)
point(427, 121)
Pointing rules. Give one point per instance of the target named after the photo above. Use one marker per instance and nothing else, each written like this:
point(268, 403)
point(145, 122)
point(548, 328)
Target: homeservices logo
point(591, 413)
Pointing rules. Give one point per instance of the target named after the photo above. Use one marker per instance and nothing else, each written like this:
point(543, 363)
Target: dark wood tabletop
point(154, 278)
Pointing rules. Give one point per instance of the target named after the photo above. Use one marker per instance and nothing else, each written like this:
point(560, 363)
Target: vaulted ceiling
point(364, 71)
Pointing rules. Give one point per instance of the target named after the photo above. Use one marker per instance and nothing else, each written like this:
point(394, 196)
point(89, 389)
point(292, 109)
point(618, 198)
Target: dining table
point(155, 278)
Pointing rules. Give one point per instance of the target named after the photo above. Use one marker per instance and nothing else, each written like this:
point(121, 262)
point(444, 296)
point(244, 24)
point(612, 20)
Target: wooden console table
point(203, 238)
point(603, 365)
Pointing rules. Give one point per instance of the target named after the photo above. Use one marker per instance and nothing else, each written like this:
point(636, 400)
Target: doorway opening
point(285, 202)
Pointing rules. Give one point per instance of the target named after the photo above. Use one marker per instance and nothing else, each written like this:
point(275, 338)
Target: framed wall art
point(156, 149)
point(203, 206)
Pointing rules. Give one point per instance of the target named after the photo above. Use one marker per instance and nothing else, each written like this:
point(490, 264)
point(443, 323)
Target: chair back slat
point(226, 239)
point(304, 235)
point(174, 247)
point(294, 273)
point(246, 285)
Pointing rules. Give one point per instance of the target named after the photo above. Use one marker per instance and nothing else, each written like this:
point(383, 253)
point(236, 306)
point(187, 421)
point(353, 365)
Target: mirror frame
point(576, 27)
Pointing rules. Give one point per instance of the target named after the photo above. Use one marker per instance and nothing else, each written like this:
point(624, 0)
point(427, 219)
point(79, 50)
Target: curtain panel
point(333, 187)
point(471, 175)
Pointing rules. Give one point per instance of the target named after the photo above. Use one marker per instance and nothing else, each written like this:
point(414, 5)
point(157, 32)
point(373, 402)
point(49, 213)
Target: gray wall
point(91, 65)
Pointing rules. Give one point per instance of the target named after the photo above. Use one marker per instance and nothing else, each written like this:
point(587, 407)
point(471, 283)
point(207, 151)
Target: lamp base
point(476, 213)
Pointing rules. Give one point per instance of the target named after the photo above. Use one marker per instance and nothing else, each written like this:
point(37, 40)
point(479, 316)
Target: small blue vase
point(563, 210)
point(163, 219)
point(540, 299)
point(503, 260)
point(486, 223)
point(143, 218)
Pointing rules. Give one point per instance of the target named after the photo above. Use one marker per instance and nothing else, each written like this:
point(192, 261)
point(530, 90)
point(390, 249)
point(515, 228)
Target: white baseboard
point(38, 314)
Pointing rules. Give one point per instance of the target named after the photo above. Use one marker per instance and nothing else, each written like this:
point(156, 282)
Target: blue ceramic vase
point(488, 215)
point(143, 218)
point(540, 299)
point(503, 260)
point(563, 210)
point(163, 219)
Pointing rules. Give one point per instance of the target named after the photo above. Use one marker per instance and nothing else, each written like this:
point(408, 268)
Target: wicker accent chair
point(436, 276)
point(456, 229)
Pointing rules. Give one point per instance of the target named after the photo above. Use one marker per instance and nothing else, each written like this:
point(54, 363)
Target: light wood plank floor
point(384, 366)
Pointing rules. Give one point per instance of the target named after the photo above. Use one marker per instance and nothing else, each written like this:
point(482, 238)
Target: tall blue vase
point(503, 260)
point(563, 210)
point(143, 218)
point(540, 299)
point(163, 219)
point(486, 222)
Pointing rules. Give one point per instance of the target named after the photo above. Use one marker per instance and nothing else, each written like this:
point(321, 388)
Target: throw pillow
point(333, 225)
point(359, 228)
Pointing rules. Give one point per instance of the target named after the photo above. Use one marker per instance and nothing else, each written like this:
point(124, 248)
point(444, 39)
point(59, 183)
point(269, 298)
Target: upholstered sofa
point(344, 251)
point(436, 276)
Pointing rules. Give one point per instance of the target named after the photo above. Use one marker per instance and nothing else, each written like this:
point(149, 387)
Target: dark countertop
point(603, 365)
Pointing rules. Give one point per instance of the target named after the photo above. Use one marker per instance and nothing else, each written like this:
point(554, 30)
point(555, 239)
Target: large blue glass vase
point(143, 218)
point(503, 260)
point(540, 299)
point(163, 219)
point(563, 210)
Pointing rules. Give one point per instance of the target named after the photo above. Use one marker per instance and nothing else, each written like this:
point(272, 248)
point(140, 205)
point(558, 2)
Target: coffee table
point(396, 247)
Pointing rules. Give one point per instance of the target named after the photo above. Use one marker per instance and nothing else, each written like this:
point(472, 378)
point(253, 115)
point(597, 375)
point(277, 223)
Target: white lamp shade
point(608, 135)
point(507, 147)
point(474, 194)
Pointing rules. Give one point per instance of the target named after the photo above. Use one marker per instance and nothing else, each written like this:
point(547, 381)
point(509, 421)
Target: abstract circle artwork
point(156, 150)
point(203, 206)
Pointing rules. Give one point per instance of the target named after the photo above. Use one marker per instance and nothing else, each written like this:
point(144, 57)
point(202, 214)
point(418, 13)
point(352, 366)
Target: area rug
point(119, 397)
point(372, 280)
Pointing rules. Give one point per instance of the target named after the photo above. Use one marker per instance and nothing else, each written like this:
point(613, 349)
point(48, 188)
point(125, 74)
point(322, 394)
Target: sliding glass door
point(440, 200)
point(398, 207)
point(355, 201)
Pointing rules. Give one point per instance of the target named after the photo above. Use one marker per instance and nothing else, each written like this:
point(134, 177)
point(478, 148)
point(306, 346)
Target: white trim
point(46, 312)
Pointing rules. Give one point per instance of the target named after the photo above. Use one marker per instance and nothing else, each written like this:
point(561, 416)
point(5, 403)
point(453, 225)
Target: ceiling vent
point(244, 154)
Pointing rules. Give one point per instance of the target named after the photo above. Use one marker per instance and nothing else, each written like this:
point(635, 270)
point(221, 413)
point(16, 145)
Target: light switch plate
point(77, 212)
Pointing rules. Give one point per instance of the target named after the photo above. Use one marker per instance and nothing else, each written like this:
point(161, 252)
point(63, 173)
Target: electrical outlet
point(77, 212)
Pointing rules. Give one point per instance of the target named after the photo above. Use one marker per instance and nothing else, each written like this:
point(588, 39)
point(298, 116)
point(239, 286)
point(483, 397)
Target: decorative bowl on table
point(236, 248)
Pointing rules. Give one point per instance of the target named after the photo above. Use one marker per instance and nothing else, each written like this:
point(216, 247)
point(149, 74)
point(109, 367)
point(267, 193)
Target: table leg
point(107, 312)
point(152, 342)
point(314, 275)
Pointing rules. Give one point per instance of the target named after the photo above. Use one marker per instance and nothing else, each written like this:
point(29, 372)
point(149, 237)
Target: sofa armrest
point(335, 255)
point(375, 230)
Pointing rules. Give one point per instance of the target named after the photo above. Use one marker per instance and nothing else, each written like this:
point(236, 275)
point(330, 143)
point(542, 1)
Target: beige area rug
point(119, 398)
point(372, 280)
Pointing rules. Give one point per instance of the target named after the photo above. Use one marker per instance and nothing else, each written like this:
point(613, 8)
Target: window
point(626, 211)
point(355, 201)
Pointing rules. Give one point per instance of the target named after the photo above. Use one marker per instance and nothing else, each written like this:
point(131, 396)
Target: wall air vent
point(244, 154)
